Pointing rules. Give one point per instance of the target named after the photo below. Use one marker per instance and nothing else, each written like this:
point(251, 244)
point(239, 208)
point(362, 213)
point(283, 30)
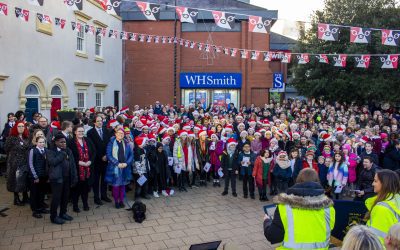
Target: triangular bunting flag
point(226, 51)
point(244, 53)
point(391, 37)
point(217, 49)
point(170, 39)
point(233, 52)
point(101, 32)
point(3, 9)
point(224, 20)
point(340, 60)
point(22, 14)
point(43, 18)
point(89, 29)
point(142, 38)
point(255, 54)
point(192, 44)
point(363, 61)
point(36, 2)
point(259, 24)
point(113, 34)
point(73, 4)
point(267, 56)
point(286, 58)
point(149, 38)
point(112, 7)
point(200, 46)
point(76, 26)
point(60, 22)
point(132, 36)
point(164, 39)
point(360, 35)
point(123, 35)
point(187, 15)
point(303, 58)
point(390, 61)
point(207, 48)
point(181, 42)
point(187, 43)
point(151, 11)
point(156, 39)
point(328, 32)
point(322, 58)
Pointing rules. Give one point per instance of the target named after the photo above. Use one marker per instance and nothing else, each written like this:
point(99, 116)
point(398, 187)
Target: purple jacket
point(256, 146)
point(215, 154)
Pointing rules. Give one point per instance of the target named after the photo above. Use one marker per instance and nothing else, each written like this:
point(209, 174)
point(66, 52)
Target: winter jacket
point(241, 144)
point(58, 162)
point(391, 159)
point(298, 166)
point(216, 153)
point(314, 165)
point(37, 163)
point(256, 146)
point(246, 169)
point(306, 195)
point(258, 171)
point(92, 154)
point(323, 172)
point(282, 172)
point(116, 176)
point(365, 180)
point(341, 178)
point(17, 157)
point(352, 166)
point(225, 162)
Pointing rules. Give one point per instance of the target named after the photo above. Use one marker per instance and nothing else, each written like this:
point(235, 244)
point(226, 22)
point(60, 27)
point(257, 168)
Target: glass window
point(56, 90)
point(80, 39)
point(81, 98)
point(99, 99)
point(31, 89)
point(98, 49)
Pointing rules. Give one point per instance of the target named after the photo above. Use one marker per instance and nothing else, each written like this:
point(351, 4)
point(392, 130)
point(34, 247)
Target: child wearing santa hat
point(230, 166)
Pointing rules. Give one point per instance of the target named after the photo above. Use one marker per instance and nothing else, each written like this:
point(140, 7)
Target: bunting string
point(330, 33)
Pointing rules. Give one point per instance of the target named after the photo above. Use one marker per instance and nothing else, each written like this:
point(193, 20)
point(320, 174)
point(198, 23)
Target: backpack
point(139, 211)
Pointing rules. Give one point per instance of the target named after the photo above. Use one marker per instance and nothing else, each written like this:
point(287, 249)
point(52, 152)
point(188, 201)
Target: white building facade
point(44, 68)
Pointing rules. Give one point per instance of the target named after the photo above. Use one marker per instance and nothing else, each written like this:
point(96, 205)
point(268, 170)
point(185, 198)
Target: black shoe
point(117, 205)
point(252, 197)
point(147, 197)
point(44, 211)
point(224, 193)
point(37, 215)
point(76, 210)
point(184, 189)
point(66, 217)
point(234, 194)
point(219, 184)
point(57, 221)
point(266, 198)
point(106, 199)
point(127, 189)
point(25, 198)
point(121, 204)
point(245, 196)
point(86, 208)
point(17, 201)
point(98, 202)
point(44, 205)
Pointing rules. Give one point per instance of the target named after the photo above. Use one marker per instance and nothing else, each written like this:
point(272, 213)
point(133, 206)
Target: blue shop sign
point(211, 80)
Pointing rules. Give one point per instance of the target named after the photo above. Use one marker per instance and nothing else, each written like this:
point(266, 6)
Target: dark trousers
point(80, 190)
point(181, 179)
point(230, 176)
point(159, 183)
point(262, 191)
point(99, 184)
point(38, 190)
point(196, 172)
point(215, 172)
point(248, 179)
point(203, 174)
point(141, 190)
point(282, 185)
point(60, 193)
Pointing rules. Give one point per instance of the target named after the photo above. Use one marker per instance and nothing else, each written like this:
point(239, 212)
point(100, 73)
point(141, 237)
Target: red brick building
point(154, 71)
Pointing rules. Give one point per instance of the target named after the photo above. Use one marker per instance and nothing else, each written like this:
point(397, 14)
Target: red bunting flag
point(187, 15)
point(360, 35)
point(224, 20)
point(255, 54)
point(340, 60)
point(391, 37)
point(76, 26)
point(73, 4)
point(3, 9)
point(233, 52)
point(22, 14)
point(363, 61)
point(390, 61)
point(303, 58)
point(101, 32)
point(259, 24)
point(328, 32)
point(322, 58)
point(244, 53)
point(43, 18)
point(60, 22)
point(267, 56)
point(151, 11)
point(286, 58)
point(132, 36)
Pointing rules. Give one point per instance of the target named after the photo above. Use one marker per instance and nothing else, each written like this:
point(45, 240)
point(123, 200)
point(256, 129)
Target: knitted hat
point(312, 148)
point(231, 141)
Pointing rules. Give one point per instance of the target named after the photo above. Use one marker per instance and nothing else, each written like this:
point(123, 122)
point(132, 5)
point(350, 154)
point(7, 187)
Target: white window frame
point(98, 46)
point(101, 94)
point(84, 92)
point(80, 35)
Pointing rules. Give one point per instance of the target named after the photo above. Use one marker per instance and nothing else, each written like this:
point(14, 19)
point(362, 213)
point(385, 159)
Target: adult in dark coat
point(62, 176)
point(202, 145)
point(100, 137)
point(16, 147)
point(49, 131)
point(365, 180)
point(160, 169)
point(84, 154)
point(391, 158)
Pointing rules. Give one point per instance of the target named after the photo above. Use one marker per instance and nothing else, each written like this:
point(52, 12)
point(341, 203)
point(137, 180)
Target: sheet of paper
point(220, 173)
point(178, 170)
point(142, 179)
point(246, 161)
point(170, 161)
point(338, 189)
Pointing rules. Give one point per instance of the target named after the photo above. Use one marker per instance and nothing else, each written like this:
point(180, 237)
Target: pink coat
point(352, 165)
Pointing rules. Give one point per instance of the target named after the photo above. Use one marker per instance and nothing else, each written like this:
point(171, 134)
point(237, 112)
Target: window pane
point(31, 90)
point(56, 90)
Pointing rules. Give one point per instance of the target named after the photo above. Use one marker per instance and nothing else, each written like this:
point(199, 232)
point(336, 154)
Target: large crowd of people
point(158, 149)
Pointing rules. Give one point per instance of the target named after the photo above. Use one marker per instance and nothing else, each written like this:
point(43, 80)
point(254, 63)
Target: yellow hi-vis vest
point(306, 228)
point(384, 215)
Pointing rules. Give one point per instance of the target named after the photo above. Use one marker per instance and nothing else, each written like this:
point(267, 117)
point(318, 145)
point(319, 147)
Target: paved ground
point(200, 215)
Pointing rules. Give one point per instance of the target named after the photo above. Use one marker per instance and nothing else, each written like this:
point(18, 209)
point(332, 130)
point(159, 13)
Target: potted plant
point(66, 114)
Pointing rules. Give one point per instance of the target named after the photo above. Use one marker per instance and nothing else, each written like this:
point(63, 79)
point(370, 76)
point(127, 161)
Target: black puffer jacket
point(307, 195)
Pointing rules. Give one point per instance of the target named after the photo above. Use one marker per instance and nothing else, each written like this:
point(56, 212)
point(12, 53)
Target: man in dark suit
point(100, 137)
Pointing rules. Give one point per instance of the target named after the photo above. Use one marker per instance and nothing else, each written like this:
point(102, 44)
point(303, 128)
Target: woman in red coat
point(263, 167)
point(310, 162)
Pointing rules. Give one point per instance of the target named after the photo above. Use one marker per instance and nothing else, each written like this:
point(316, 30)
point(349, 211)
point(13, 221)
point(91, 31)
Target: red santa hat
point(252, 122)
point(92, 110)
point(262, 130)
point(182, 133)
point(326, 137)
point(138, 124)
point(161, 130)
point(295, 134)
point(202, 132)
point(339, 130)
point(112, 123)
point(151, 137)
point(282, 153)
point(187, 127)
point(141, 141)
point(197, 127)
point(191, 134)
point(171, 128)
point(231, 141)
point(55, 124)
point(268, 132)
point(279, 132)
point(257, 133)
point(228, 127)
point(265, 122)
point(165, 138)
point(143, 120)
point(239, 116)
point(364, 139)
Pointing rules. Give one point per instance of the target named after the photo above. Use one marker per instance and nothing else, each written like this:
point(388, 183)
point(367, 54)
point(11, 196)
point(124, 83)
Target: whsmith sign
point(211, 80)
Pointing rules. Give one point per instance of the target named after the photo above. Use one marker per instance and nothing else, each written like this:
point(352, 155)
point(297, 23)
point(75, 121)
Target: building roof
point(280, 42)
point(130, 11)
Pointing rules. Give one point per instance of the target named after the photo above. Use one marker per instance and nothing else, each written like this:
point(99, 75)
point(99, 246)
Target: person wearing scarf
point(83, 151)
point(119, 173)
point(263, 167)
point(282, 171)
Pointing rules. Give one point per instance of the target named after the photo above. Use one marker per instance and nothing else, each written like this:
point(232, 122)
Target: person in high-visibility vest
point(384, 208)
point(304, 216)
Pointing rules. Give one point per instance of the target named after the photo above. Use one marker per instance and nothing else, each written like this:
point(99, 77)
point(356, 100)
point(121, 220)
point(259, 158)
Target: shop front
point(206, 88)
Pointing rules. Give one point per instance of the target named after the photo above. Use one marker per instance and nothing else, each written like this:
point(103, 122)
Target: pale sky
point(289, 13)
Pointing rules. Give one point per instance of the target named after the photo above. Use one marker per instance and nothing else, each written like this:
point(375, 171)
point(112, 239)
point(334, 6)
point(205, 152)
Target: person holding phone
point(299, 211)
